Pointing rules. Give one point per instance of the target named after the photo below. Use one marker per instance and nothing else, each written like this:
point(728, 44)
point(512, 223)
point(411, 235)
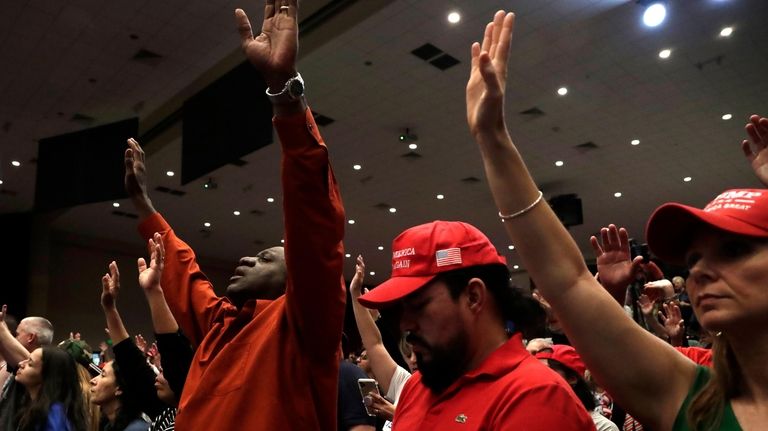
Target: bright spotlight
point(654, 14)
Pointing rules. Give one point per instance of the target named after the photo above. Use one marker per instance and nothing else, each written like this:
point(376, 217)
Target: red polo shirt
point(510, 390)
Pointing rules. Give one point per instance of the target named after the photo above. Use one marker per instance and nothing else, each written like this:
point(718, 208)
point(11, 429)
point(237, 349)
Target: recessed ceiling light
point(347, 255)
point(413, 146)
point(170, 173)
point(441, 197)
point(381, 247)
point(372, 273)
point(16, 163)
point(687, 179)
point(559, 163)
point(654, 14)
point(357, 167)
point(515, 266)
point(665, 53)
point(270, 200)
point(726, 31)
point(236, 212)
point(206, 224)
point(116, 204)
point(562, 91)
point(1, 182)
point(617, 194)
point(635, 142)
point(511, 247)
point(282, 241)
point(727, 117)
point(454, 17)
point(393, 210)
point(351, 221)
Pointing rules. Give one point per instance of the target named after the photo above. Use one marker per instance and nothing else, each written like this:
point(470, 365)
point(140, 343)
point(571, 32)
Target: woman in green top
point(725, 248)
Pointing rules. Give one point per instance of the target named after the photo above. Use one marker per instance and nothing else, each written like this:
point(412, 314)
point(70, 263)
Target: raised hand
point(149, 276)
point(488, 76)
point(614, 266)
point(273, 51)
point(755, 148)
point(141, 343)
point(136, 178)
point(356, 285)
point(110, 287)
point(3, 313)
point(674, 325)
point(645, 304)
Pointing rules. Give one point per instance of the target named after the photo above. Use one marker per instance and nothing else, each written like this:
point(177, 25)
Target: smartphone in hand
point(367, 387)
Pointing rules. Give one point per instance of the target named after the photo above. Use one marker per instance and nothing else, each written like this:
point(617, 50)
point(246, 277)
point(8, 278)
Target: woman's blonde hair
point(706, 409)
point(92, 411)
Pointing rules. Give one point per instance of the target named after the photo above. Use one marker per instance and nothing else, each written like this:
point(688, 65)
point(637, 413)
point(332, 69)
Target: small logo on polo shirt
point(462, 418)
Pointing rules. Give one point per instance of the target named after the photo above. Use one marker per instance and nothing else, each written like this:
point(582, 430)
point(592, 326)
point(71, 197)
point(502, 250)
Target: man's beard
point(447, 363)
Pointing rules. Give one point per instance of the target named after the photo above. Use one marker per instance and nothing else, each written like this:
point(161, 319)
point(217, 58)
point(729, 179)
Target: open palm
point(150, 275)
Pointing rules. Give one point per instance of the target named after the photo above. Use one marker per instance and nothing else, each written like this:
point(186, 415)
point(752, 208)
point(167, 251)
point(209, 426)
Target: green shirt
point(729, 422)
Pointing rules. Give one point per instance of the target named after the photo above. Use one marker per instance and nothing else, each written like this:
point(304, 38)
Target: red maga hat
point(671, 227)
point(422, 252)
point(566, 355)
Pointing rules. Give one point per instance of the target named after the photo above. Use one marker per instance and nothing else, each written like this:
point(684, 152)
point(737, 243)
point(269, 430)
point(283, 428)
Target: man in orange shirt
point(268, 352)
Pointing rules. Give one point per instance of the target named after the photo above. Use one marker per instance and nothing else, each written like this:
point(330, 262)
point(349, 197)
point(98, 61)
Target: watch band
point(292, 91)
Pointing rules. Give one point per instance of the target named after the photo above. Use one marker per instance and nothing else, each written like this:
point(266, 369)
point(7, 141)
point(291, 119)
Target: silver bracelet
point(506, 217)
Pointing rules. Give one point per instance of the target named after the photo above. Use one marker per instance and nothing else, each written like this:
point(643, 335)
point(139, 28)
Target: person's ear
point(476, 292)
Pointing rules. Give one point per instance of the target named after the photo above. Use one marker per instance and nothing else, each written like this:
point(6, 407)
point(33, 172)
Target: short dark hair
point(580, 388)
point(516, 305)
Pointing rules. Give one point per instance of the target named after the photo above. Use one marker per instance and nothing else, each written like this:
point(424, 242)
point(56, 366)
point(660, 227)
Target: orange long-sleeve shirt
point(272, 365)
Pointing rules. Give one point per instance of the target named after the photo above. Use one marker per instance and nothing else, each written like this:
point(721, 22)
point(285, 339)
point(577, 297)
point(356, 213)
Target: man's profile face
point(437, 332)
point(23, 334)
point(259, 277)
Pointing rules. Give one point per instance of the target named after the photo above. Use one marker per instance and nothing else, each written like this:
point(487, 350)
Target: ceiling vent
point(239, 163)
point(532, 113)
point(82, 118)
point(435, 56)
point(585, 147)
point(147, 57)
point(382, 206)
point(257, 212)
point(411, 155)
point(124, 214)
point(170, 191)
point(470, 180)
point(7, 192)
point(321, 119)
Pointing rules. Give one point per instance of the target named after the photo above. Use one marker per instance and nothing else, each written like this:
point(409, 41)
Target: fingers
point(138, 152)
point(3, 312)
point(487, 38)
point(505, 38)
point(623, 239)
point(654, 272)
point(244, 25)
point(105, 282)
point(605, 239)
point(747, 149)
point(613, 237)
point(288, 7)
point(595, 246)
point(498, 23)
point(159, 241)
point(114, 274)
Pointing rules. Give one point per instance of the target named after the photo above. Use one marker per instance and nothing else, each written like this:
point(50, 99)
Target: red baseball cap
point(566, 355)
point(671, 227)
point(422, 252)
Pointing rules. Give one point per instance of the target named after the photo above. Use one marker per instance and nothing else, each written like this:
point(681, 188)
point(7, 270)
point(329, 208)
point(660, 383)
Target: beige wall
point(68, 292)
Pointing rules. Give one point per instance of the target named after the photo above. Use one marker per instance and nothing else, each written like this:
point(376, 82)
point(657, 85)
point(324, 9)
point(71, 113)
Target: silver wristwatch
point(293, 90)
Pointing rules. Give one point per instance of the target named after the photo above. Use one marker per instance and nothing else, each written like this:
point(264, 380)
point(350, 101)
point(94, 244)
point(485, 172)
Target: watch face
point(296, 88)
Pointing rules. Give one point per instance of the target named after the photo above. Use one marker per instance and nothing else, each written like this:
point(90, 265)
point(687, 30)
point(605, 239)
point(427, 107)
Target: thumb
point(637, 265)
point(142, 264)
point(488, 72)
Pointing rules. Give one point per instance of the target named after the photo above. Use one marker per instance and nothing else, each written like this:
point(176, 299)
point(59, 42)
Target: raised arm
point(382, 364)
point(555, 263)
point(172, 345)
point(110, 288)
point(190, 295)
point(149, 280)
point(11, 350)
point(312, 208)
point(755, 147)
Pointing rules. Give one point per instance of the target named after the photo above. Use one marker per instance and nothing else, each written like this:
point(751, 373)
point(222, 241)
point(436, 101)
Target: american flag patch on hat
point(449, 256)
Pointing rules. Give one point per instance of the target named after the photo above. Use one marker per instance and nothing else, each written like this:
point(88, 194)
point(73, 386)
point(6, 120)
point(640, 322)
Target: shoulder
point(138, 425)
